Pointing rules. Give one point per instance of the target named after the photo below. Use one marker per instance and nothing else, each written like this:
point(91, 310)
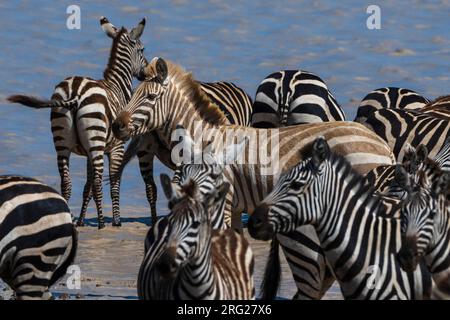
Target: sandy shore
point(109, 261)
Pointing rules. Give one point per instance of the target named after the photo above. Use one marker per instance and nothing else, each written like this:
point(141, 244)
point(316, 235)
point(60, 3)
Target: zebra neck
point(118, 75)
point(352, 214)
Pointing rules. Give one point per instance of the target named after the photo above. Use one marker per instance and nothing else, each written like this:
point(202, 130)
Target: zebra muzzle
point(166, 266)
point(258, 223)
point(408, 257)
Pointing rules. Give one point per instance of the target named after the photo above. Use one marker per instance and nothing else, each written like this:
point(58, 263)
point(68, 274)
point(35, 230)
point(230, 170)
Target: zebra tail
point(61, 271)
point(129, 154)
point(272, 273)
point(38, 103)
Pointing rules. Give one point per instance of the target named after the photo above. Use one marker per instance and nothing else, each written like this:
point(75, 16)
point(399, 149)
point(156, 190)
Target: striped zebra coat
point(37, 238)
point(232, 101)
point(85, 129)
point(400, 128)
point(174, 100)
point(186, 259)
point(389, 98)
point(292, 97)
point(356, 229)
point(426, 233)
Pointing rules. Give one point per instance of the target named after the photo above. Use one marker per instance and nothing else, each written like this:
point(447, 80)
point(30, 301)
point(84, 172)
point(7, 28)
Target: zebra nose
point(166, 265)
point(258, 225)
point(408, 258)
point(141, 75)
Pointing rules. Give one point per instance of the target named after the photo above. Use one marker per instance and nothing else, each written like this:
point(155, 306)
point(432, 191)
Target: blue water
point(239, 41)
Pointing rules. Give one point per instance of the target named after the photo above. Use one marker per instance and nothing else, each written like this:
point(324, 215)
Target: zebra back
point(37, 238)
point(232, 100)
point(400, 128)
point(291, 97)
point(389, 98)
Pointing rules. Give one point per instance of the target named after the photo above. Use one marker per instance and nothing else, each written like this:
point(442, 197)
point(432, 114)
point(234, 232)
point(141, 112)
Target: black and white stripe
point(37, 238)
point(400, 128)
point(291, 97)
point(187, 259)
point(389, 98)
point(356, 230)
point(85, 129)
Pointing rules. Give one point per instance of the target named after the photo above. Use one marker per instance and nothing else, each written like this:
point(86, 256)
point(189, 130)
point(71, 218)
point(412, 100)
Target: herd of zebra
point(363, 202)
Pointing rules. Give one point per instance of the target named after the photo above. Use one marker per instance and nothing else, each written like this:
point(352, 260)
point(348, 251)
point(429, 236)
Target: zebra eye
point(295, 185)
point(151, 96)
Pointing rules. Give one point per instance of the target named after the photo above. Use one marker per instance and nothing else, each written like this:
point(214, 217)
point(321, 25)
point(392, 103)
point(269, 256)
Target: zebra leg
point(87, 193)
point(307, 263)
point(98, 191)
point(146, 168)
point(64, 173)
point(115, 158)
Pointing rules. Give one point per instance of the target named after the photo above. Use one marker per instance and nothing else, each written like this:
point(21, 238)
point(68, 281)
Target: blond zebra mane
point(191, 90)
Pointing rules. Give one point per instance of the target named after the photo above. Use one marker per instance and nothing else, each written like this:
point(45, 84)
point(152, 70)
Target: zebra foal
point(190, 260)
point(37, 238)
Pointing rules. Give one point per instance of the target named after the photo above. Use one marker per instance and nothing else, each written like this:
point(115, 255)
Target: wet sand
point(109, 261)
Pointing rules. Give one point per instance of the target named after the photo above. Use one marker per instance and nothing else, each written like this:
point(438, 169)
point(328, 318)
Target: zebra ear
point(402, 178)
point(422, 153)
point(161, 70)
point(108, 27)
point(320, 151)
point(137, 31)
point(442, 185)
point(410, 153)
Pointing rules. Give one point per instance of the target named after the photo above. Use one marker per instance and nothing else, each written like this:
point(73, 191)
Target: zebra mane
point(438, 100)
point(190, 89)
point(357, 180)
point(113, 52)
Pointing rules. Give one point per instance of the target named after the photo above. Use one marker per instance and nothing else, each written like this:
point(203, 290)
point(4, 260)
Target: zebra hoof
point(117, 224)
point(101, 225)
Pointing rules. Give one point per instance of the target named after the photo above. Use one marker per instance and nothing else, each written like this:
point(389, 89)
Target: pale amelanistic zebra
point(292, 97)
point(86, 128)
point(389, 98)
point(232, 101)
point(194, 261)
point(356, 229)
point(38, 241)
point(170, 98)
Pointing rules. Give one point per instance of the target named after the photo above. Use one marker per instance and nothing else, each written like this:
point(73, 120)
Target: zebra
point(86, 128)
point(440, 107)
point(234, 103)
point(426, 235)
point(389, 98)
point(194, 261)
point(291, 97)
point(357, 231)
point(38, 241)
point(400, 128)
point(170, 98)
point(382, 178)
